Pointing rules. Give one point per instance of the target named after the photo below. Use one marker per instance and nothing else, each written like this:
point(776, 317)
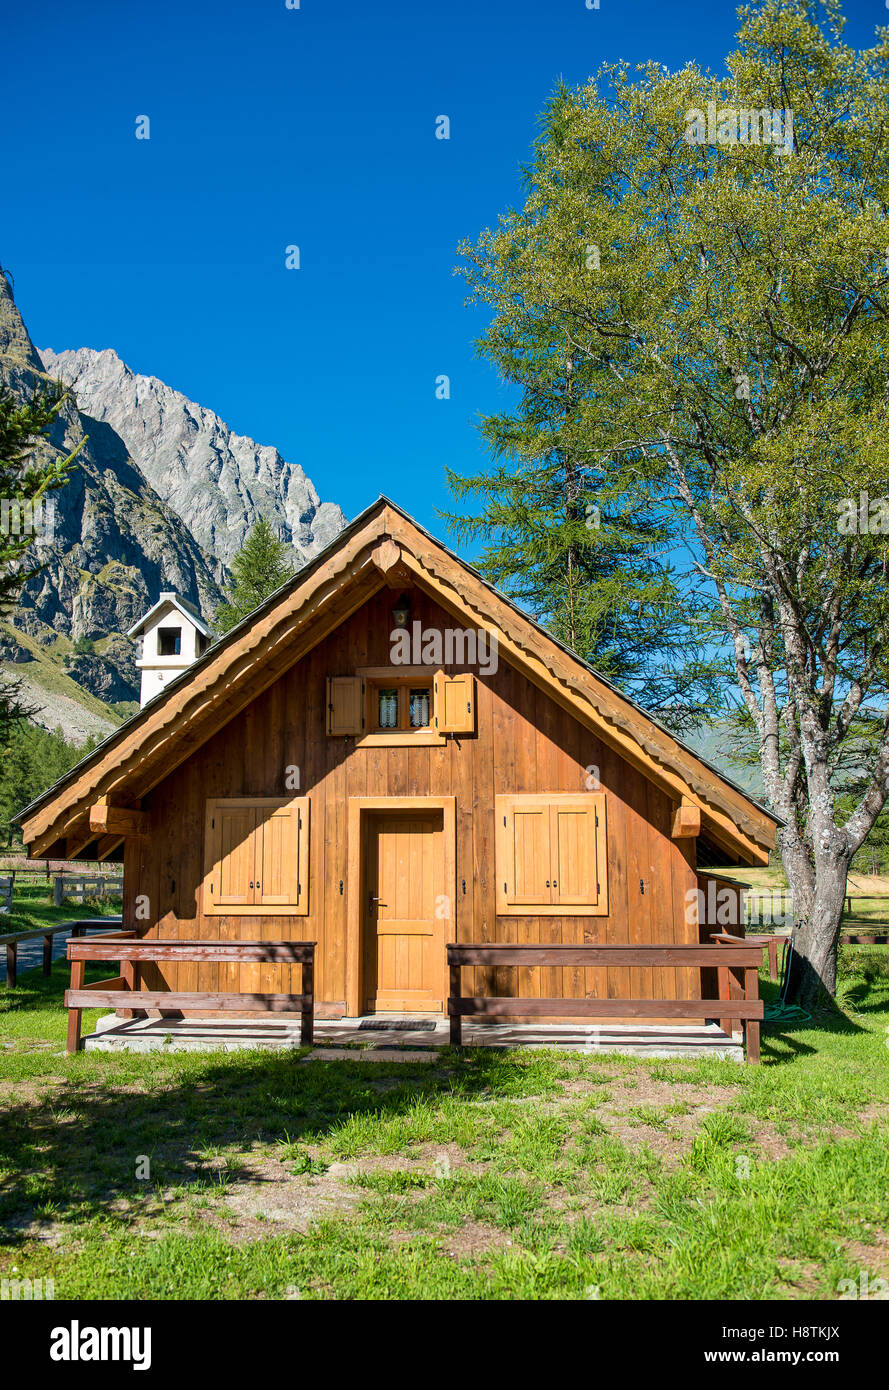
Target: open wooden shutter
point(229, 853)
point(281, 855)
point(455, 703)
point(577, 875)
point(523, 851)
point(345, 713)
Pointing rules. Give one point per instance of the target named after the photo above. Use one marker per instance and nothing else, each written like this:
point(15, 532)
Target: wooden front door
point(404, 934)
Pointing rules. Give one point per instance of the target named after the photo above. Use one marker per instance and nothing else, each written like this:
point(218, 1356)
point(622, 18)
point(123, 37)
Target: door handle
point(372, 900)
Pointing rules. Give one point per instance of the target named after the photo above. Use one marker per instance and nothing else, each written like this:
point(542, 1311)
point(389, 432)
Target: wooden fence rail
point(77, 928)
point(80, 887)
point(124, 992)
point(734, 963)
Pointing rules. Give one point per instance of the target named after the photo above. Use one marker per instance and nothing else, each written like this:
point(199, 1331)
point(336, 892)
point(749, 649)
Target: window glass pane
point(420, 709)
point(387, 709)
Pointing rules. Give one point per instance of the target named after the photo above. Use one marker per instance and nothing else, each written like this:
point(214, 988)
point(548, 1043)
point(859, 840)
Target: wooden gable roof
point(381, 547)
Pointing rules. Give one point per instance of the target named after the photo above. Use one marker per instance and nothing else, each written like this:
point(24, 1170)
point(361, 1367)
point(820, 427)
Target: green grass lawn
point(32, 910)
point(486, 1175)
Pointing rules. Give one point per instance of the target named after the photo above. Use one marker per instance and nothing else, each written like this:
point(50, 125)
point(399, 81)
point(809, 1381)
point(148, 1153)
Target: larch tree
point(711, 252)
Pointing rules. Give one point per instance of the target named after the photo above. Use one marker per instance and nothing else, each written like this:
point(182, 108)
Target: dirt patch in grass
point(801, 1277)
point(871, 1255)
point(472, 1238)
point(642, 1114)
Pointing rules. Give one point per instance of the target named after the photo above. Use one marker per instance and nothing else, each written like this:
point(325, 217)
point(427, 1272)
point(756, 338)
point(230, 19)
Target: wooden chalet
point(388, 758)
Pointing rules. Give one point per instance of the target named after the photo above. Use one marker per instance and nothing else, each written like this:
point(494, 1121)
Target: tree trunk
point(813, 972)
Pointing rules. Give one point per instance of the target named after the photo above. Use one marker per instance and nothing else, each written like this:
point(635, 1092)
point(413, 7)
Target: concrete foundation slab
point(345, 1040)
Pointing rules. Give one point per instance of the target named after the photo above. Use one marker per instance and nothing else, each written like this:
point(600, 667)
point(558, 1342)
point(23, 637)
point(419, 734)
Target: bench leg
point(456, 1019)
point(78, 968)
point(752, 1031)
point(307, 1020)
point(131, 972)
point(751, 991)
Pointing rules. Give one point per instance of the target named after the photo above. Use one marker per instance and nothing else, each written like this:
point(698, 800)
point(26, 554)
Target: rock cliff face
point(161, 496)
point(218, 482)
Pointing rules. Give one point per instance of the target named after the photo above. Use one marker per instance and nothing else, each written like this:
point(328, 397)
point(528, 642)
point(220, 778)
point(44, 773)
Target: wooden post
point(47, 953)
point(456, 1019)
point(12, 957)
point(131, 971)
point(751, 991)
point(77, 971)
point(724, 993)
point(307, 1022)
point(57, 886)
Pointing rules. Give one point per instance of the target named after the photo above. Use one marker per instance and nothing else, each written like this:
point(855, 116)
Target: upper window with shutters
point(550, 855)
point(256, 857)
point(395, 704)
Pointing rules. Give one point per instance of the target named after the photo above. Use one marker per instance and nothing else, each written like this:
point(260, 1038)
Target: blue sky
point(313, 127)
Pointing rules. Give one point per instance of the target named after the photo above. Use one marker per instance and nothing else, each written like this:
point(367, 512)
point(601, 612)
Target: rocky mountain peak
point(217, 481)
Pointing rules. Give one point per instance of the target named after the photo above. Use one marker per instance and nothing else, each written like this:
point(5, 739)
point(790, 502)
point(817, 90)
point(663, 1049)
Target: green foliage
point(33, 760)
point(260, 567)
point(718, 318)
point(30, 467)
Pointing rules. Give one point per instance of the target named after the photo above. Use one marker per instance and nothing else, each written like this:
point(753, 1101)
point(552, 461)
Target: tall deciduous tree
point(713, 252)
point(262, 565)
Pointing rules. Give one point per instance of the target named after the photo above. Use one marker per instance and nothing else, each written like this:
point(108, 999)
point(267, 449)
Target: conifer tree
point(262, 565)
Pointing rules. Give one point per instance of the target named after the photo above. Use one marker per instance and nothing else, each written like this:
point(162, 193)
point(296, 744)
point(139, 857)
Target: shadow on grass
point(76, 1154)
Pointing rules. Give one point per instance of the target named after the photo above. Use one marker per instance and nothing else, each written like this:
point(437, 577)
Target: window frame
point(402, 677)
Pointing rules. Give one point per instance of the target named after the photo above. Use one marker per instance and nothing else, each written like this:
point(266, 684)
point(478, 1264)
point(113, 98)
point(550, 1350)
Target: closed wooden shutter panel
point(280, 854)
point(455, 703)
point(229, 844)
point(345, 712)
point(574, 858)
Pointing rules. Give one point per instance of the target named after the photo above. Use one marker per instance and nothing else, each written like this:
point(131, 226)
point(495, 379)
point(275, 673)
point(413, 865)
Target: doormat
point(403, 1025)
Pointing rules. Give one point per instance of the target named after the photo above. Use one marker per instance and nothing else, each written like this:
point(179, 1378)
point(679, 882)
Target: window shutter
point(229, 853)
point(344, 705)
point(455, 703)
point(576, 873)
point(256, 856)
point(281, 862)
point(550, 854)
point(524, 859)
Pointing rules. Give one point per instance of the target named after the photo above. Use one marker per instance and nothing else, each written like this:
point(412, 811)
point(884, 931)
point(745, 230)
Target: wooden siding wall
point(524, 742)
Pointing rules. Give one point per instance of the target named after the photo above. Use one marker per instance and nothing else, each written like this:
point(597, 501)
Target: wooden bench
point(77, 928)
point(748, 1008)
point(124, 992)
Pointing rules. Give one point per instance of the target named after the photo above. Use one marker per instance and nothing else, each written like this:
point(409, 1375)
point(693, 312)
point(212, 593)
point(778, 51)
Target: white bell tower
point(173, 636)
